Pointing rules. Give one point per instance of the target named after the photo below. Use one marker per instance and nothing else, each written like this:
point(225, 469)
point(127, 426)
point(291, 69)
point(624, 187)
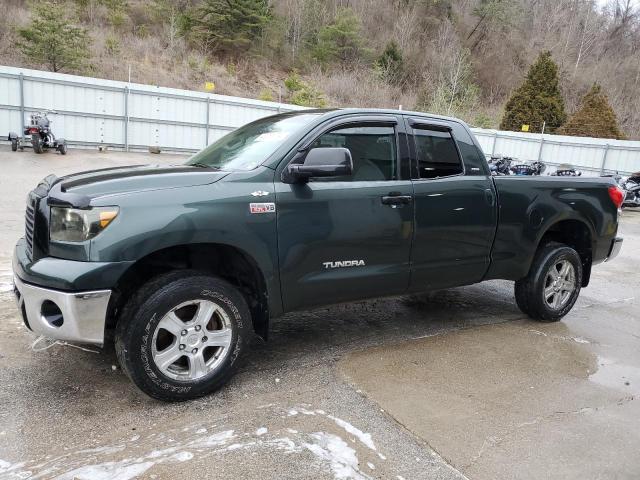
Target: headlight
point(75, 225)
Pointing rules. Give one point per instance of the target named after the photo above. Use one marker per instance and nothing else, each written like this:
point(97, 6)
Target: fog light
point(52, 313)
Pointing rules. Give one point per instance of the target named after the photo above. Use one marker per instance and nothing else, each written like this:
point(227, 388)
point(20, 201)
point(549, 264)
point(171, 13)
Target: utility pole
point(544, 124)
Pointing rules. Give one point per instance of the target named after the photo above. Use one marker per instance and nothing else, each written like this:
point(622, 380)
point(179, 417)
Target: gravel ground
point(340, 392)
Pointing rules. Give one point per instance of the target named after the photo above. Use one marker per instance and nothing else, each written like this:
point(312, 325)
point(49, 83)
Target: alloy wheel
point(559, 284)
point(192, 340)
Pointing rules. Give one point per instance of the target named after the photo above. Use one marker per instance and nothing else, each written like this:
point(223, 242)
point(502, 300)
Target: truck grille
point(29, 223)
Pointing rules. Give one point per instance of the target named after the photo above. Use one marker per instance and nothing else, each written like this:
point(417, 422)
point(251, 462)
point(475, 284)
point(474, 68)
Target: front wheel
point(62, 148)
point(36, 141)
point(553, 284)
point(14, 145)
point(180, 336)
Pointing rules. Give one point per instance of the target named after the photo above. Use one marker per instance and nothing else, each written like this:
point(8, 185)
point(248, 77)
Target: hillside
point(457, 57)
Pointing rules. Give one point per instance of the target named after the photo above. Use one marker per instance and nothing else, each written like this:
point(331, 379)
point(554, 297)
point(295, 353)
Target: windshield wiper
point(204, 165)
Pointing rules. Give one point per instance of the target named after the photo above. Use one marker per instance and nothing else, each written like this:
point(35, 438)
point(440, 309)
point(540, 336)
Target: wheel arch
point(577, 234)
point(226, 261)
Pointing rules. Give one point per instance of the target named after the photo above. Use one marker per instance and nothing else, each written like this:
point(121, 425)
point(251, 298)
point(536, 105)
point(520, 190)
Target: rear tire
point(553, 284)
point(181, 335)
point(36, 141)
point(14, 145)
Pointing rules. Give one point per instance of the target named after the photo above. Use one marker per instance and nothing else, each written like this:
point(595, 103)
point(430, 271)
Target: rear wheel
point(36, 141)
point(552, 286)
point(180, 336)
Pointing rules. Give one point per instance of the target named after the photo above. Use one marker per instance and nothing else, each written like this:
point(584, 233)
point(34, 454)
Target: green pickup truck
point(180, 265)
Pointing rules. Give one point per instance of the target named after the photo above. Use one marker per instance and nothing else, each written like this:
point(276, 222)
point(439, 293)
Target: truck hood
point(81, 187)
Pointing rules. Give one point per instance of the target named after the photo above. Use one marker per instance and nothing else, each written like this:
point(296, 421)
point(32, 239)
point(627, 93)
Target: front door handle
point(490, 197)
point(395, 199)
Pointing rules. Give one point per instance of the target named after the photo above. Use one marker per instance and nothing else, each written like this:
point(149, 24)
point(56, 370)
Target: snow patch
point(580, 340)
point(183, 456)
point(123, 470)
point(341, 457)
point(365, 438)
point(261, 431)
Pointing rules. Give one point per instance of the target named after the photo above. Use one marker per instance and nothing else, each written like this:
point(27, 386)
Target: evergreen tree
point(303, 94)
point(51, 40)
point(228, 27)
point(538, 100)
point(594, 118)
point(390, 63)
point(341, 41)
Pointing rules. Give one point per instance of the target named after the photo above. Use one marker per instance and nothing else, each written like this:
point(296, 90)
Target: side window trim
point(345, 123)
point(438, 126)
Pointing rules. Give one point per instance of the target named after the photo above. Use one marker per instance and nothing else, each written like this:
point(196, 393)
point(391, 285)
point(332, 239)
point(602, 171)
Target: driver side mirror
point(322, 162)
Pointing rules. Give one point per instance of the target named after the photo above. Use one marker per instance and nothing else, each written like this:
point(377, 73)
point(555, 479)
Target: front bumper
point(72, 316)
point(78, 291)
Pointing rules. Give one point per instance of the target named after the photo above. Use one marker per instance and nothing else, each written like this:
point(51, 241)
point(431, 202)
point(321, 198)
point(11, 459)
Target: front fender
point(216, 213)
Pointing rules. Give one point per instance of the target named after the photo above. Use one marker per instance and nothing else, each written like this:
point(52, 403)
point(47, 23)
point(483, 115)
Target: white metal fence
point(594, 155)
point(91, 111)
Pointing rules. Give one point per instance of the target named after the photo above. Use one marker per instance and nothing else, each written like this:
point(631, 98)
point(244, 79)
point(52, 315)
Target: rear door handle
point(395, 199)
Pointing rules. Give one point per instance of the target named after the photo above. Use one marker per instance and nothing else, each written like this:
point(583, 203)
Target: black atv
point(42, 138)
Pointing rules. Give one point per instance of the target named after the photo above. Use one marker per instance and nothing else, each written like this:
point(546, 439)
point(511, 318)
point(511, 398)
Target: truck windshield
point(249, 146)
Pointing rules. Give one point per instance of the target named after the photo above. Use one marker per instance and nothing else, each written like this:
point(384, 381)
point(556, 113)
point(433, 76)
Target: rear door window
point(436, 154)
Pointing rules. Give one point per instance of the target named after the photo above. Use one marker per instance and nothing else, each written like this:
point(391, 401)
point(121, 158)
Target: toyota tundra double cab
point(179, 265)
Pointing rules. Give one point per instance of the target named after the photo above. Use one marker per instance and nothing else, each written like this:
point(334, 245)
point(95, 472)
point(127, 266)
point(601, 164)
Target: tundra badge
point(344, 263)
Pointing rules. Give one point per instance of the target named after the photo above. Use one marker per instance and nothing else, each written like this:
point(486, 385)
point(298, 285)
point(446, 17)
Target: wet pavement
point(443, 385)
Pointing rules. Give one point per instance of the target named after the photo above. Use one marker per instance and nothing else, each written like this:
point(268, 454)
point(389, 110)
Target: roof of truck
point(339, 111)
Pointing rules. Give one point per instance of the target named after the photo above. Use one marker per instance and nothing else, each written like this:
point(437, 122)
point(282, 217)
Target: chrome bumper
point(72, 316)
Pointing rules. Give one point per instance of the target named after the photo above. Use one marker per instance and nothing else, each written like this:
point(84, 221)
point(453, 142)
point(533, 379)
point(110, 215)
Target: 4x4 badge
point(269, 207)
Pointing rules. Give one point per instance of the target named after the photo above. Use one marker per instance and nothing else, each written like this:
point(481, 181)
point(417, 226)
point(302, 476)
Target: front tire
point(553, 284)
point(181, 335)
point(14, 145)
point(36, 141)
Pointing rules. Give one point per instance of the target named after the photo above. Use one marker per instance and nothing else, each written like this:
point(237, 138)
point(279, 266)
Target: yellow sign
point(209, 86)
point(525, 128)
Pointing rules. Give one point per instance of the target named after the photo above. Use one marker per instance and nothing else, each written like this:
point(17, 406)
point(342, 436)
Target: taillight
point(617, 195)
point(33, 130)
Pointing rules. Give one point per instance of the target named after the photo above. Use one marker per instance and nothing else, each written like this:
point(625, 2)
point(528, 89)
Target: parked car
point(303, 209)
